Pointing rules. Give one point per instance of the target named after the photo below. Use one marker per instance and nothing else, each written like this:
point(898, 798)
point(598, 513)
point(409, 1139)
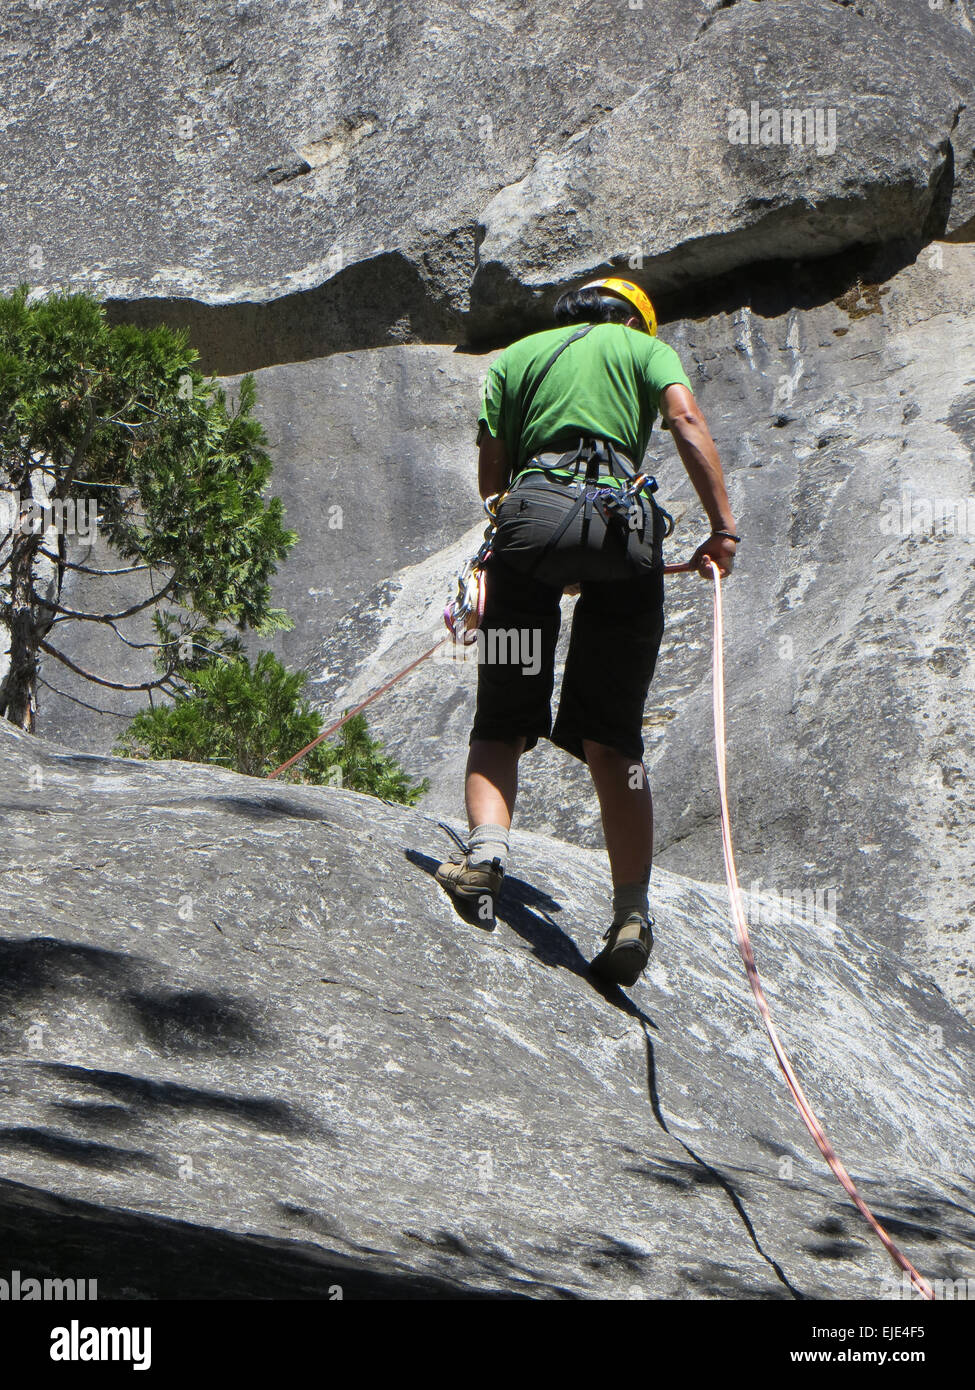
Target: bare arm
point(493, 465)
point(700, 457)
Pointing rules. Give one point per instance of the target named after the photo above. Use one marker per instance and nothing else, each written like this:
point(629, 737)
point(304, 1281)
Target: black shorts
point(617, 626)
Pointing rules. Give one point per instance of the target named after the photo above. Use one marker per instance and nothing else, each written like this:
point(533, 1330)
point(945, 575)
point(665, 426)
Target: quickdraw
point(616, 504)
point(465, 613)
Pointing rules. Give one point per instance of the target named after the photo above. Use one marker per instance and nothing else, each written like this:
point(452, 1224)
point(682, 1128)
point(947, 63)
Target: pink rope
point(751, 969)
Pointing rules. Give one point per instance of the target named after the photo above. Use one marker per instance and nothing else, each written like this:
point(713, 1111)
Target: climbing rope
point(809, 1118)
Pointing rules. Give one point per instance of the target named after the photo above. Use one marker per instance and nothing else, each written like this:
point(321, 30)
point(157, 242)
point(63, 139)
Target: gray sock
point(630, 897)
point(488, 842)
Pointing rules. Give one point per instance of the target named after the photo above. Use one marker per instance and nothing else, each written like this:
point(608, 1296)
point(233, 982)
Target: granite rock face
point(293, 181)
point(240, 1061)
point(784, 133)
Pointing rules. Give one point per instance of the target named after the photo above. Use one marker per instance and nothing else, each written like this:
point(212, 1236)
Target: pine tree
point(253, 719)
point(122, 417)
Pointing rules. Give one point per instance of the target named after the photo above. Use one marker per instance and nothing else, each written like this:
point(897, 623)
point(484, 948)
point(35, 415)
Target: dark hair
point(592, 306)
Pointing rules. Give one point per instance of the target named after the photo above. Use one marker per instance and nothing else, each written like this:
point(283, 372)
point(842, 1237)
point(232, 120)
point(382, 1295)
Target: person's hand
point(571, 590)
point(721, 550)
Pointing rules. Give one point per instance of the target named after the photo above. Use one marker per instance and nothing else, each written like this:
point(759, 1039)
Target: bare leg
point(627, 811)
point(492, 781)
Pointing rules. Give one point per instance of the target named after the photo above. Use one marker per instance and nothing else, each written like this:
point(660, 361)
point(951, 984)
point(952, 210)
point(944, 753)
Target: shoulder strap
point(526, 403)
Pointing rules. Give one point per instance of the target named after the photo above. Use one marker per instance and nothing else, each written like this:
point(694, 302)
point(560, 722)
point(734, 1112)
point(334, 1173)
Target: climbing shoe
point(624, 957)
point(475, 885)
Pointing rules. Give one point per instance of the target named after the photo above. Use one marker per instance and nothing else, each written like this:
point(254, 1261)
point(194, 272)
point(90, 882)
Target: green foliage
point(124, 415)
point(365, 767)
point(253, 719)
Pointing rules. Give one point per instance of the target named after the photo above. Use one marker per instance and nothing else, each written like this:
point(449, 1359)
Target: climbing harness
point(465, 612)
point(614, 504)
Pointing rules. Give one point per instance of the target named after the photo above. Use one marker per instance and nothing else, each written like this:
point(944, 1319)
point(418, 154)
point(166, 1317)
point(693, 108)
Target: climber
point(564, 425)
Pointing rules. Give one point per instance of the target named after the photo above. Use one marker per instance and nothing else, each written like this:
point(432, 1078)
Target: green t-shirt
point(606, 385)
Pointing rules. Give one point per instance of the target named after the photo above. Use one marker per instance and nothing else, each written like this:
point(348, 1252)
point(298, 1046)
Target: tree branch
point(98, 680)
point(68, 475)
point(86, 569)
point(63, 695)
point(201, 647)
point(108, 618)
point(136, 646)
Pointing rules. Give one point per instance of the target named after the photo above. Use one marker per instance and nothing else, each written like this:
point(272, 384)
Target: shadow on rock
point(189, 1021)
point(142, 1096)
point(526, 910)
point(131, 1255)
point(48, 1143)
point(173, 1020)
point(31, 965)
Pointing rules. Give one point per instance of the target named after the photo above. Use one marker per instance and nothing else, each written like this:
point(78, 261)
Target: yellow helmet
point(634, 294)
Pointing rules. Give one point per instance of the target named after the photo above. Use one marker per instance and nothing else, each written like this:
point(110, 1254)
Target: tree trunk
point(20, 686)
point(18, 693)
